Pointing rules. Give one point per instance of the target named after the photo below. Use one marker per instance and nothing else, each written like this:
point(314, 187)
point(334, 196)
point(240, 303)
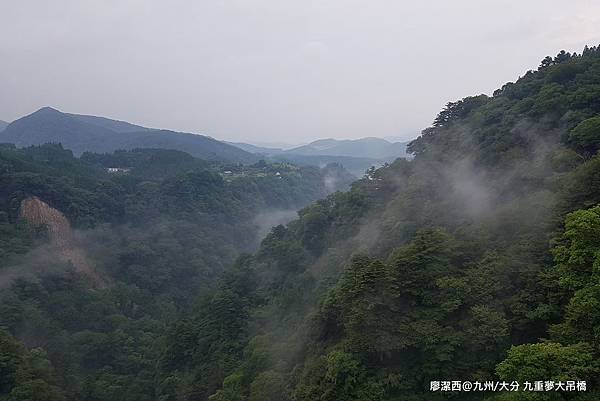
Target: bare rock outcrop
point(62, 239)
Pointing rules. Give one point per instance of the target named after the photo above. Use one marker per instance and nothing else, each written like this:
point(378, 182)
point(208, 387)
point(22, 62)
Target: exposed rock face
point(39, 214)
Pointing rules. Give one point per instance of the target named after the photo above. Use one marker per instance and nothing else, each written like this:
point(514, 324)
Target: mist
point(267, 219)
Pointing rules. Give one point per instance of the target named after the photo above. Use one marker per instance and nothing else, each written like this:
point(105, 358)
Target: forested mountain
point(113, 125)
point(374, 148)
point(99, 255)
point(355, 155)
point(355, 165)
point(256, 149)
point(97, 134)
point(475, 260)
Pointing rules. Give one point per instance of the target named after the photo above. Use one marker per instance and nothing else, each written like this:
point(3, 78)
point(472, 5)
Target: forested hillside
point(96, 264)
point(81, 133)
point(475, 261)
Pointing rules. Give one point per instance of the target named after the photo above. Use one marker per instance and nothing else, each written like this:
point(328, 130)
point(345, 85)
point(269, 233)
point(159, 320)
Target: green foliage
point(549, 361)
point(338, 377)
point(431, 268)
point(268, 386)
point(233, 389)
point(577, 254)
point(575, 357)
point(25, 375)
point(477, 260)
point(164, 236)
point(208, 346)
point(586, 135)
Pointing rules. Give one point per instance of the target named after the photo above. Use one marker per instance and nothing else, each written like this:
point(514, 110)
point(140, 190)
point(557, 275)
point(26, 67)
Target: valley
point(140, 264)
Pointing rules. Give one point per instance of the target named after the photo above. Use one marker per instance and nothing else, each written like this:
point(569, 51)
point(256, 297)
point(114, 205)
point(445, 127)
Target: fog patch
point(42, 260)
point(266, 220)
point(470, 190)
point(50, 258)
point(331, 182)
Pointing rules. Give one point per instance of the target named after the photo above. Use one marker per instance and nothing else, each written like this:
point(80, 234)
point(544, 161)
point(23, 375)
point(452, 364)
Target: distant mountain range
point(255, 148)
point(355, 165)
point(81, 133)
point(114, 125)
point(374, 148)
point(276, 145)
point(356, 155)
point(371, 148)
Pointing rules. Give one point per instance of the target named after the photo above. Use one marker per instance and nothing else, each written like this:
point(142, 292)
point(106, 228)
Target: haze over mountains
point(248, 147)
point(356, 155)
point(375, 148)
point(81, 133)
point(370, 147)
point(115, 125)
point(3, 125)
point(475, 259)
point(96, 134)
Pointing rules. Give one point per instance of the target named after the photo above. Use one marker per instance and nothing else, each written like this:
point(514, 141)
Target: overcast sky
point(275, 70)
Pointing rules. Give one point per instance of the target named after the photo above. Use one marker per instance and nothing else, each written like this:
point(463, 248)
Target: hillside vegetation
point(476, 260)
point(95, 266)
point(356, 155)
point(81, 133)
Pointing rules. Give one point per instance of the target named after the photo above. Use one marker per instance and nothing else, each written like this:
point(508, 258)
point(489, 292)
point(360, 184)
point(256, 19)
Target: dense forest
point(477, 260)
point(474, 261)
point(134, 240)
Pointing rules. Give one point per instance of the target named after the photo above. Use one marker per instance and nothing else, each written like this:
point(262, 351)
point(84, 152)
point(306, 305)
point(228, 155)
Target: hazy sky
point(275, 70)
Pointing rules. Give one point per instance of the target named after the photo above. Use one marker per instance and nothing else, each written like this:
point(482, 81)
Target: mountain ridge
point(114, 125)
point(371, 147)
point(366, 147)
point(81, 133)
point(356, 155)
point(248, 147)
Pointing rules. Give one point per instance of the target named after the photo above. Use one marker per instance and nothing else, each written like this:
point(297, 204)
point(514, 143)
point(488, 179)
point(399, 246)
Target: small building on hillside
point(117, 170)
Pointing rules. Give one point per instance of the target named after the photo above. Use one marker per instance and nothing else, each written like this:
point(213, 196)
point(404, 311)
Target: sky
point(265, 71)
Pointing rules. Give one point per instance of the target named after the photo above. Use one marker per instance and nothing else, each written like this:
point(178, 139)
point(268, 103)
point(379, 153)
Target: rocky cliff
point(60, 233)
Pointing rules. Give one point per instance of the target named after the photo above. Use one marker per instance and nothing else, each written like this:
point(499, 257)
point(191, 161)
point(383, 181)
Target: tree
point(25, 375)
point(546, 62)
point(338, 376)
point(586, 136)
point(549, 361)
point(268, 386)
point(577, 254)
